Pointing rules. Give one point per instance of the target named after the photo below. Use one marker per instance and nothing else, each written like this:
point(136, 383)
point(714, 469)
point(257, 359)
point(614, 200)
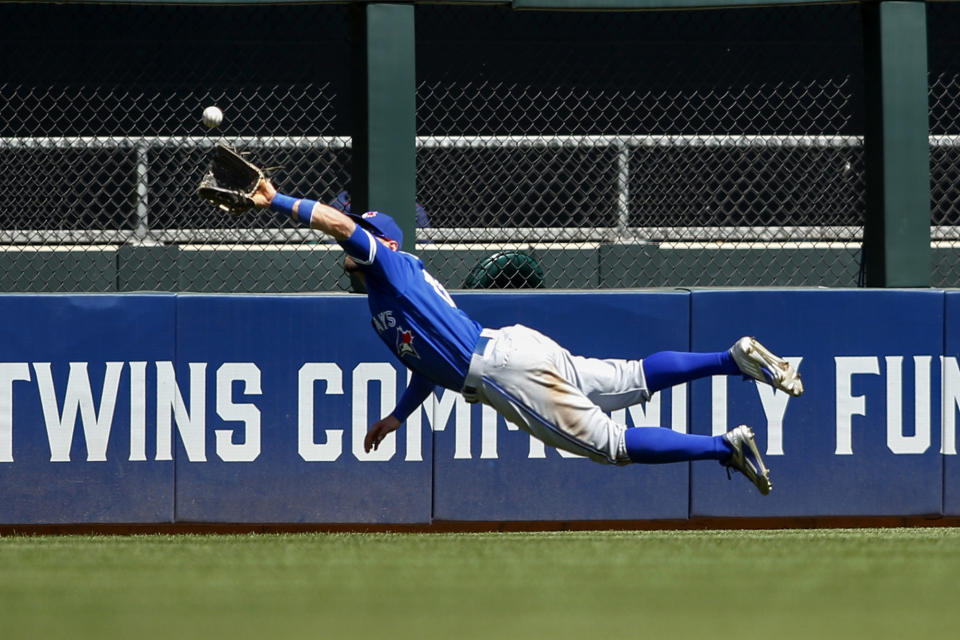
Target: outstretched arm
point(379, 430)
point(413, 396)
point(320, 216)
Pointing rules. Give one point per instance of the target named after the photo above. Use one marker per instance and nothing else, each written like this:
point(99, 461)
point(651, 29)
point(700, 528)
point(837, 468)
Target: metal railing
point(622, 146)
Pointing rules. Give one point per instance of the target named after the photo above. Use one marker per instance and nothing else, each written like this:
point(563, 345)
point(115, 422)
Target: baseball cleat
point(757, 362)
point(746, 458)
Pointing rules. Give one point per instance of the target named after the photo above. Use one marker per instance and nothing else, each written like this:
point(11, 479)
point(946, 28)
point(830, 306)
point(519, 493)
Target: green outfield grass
point(870, 583)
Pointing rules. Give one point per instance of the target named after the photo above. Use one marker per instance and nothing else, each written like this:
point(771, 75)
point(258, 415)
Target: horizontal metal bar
point(458, 235)
point(635, 235)
point(635, 5)
point(944, 141)
point(695, 140)
point(189, 142)
point(457, 142)
point(462, 142)
point(159, 237)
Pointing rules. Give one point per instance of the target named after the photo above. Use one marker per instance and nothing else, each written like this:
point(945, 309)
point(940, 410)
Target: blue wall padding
point(828, 329)
point(59, 330)
point(211, 422)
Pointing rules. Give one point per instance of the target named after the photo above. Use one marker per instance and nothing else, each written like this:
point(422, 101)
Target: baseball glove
point(230, 181)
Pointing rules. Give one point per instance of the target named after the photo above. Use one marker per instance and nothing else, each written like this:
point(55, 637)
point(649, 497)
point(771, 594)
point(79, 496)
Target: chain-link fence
point(645, 149)
point(102, 147)
point(585, 149)
point(944, 72)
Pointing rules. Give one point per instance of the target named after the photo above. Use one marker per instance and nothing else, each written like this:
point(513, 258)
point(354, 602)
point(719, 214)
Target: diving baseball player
point(532, 381)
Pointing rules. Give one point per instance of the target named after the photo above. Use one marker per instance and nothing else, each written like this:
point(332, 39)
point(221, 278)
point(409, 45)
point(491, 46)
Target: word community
point(131, 410)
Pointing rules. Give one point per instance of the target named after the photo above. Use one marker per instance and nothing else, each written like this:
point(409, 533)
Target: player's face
point(390, 244)
point(358, 283)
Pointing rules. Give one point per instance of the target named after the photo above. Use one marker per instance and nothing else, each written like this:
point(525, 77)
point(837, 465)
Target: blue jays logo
point(405, 343)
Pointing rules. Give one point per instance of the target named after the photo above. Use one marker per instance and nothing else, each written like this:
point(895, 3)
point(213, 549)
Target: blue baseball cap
point(380, 224)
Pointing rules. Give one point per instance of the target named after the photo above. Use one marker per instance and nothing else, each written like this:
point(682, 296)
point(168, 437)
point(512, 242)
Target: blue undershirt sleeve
point(374, 258)
point(413, 396)
point(361, 246)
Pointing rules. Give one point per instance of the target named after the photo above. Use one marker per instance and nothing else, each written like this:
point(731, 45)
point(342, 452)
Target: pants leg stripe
point(579, 444)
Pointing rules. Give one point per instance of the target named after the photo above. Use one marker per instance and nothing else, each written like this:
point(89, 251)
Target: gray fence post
point(384, 145)
point(896, 145)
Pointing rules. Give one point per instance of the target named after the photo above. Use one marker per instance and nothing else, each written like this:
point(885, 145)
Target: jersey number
point(433, 282)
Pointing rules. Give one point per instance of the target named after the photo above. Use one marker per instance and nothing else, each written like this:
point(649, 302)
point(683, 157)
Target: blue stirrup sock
point(658, 445)
point(668, 368)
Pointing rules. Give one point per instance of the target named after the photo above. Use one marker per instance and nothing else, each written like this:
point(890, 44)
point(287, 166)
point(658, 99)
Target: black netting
point(944, 74)
point(102, 146)
point(615, 149)
point(613, 129)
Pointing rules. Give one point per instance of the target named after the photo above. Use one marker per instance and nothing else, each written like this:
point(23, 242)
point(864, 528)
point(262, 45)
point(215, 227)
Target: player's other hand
point(378, 431)
point(263, 196)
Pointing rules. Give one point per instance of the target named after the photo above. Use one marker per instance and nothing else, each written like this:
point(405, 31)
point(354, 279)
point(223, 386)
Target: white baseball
point(212, 117)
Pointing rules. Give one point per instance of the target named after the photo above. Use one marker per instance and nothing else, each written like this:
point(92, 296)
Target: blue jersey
point(413, 314)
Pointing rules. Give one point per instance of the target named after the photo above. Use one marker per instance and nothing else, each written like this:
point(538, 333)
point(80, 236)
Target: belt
point(470, 390)
point(482, 343)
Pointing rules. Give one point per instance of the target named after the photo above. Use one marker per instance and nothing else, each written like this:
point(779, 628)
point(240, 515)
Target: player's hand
point(378, 431)
point(263, 196)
